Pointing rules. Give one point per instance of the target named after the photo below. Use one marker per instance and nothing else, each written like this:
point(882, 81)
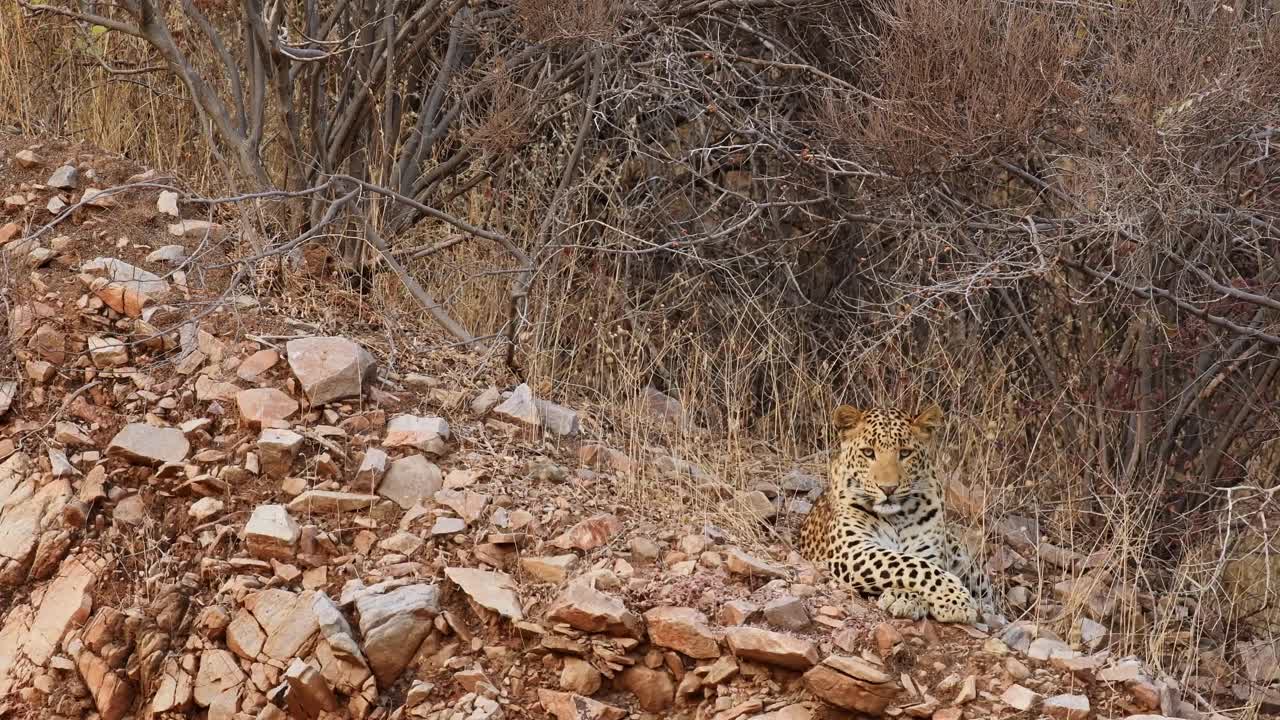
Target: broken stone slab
point(653, 688)
point(1066, 707)
point(684, 630)
point(589, 534)
point(112, 692)
point(553, 569)
point(330, 501)
point(277, 449)
point(490, 589)
point(33, 537)
point(265, 407)
point(131, 277)
point(193, 228)
point(585, 608)
point(309, 694)
point(428, 434)
point(469, 505)
point(393, 623)
point(271, 533)
point(107, 352)
point(411, 480)
point(569, 706)
point(330, 368)
point(149, 445)
point(286, 618)
point(742, 563)
point(372, 469)
point(771, 648)
point(218, 673)
point(522, 408)
point(1020, 698)
point(853, 684)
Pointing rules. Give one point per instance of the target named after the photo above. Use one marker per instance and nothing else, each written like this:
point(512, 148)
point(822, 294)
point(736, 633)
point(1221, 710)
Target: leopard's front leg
point(905, 585)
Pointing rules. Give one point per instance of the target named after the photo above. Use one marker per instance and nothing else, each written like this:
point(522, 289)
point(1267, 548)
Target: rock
point(755, 505)
point(653, 688)
point(771, 648)
point(519, 408)
point(205, 508)
point(741, 563)
point(265, 407)
point(568, 706)
point(490, 589)
point(787, 612)
point(60, 466)
point(583, 607)
point(49, 343)
point(523, 409)
point(27, 159)
point(256, 364)
point(411, 480)
point(1020, 698)
point(193, 228)
point(661, 405)
point(149, 445)
point(428, 434)
point(330, 501)
point(96, 197)
point(271, 533)
point(177, 686)
point(8, 391)
point(1260, 658)
point(130, 510)
point(112, 693)
point(469, 505)
point(553, 569)
point(131, 278)
point(287, 620)
point(393, 623)
point(590, 533)
point(244, 635)
point(167, 204)
point(737, 612)
point(448, 526)
point(1047, 648)
point(485, 402)
point(372, 469)
point(107, 352)
point(684, 630)
point(210, 390)
point(174, 255)
point(66, 177)
point(578, 676)
point(219, 673)
point(852, 684)
point(330, 368)
point(309, 695)
point(1067, 707)
point(277, 449)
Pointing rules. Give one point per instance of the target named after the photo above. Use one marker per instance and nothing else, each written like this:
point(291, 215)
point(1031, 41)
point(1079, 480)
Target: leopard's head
point(883, 456)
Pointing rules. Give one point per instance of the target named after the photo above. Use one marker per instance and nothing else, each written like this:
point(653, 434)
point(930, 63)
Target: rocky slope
point(206, 511)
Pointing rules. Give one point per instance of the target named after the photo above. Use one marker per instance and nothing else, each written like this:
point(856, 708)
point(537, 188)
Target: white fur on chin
point(887, 508)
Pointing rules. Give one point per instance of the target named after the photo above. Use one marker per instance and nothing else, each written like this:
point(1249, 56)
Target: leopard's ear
point(846, 416)
point(927, 421)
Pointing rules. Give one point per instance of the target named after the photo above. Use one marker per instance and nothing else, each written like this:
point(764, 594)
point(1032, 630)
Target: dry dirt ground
point(205, 511)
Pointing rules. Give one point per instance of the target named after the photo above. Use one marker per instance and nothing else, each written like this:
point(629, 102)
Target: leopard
point(878, 527)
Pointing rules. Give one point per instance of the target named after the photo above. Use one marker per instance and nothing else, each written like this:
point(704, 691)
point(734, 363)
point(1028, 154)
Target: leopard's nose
point(889, 490)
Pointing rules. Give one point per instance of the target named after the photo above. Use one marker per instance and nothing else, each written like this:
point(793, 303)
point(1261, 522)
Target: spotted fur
point(879, 525)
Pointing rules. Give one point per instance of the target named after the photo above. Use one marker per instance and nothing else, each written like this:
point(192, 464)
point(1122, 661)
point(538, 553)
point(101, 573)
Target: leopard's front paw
point(903, 604)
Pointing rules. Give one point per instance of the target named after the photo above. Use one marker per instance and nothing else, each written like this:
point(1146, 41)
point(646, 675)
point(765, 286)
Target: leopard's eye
point(905, 453)
point(869, 453)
